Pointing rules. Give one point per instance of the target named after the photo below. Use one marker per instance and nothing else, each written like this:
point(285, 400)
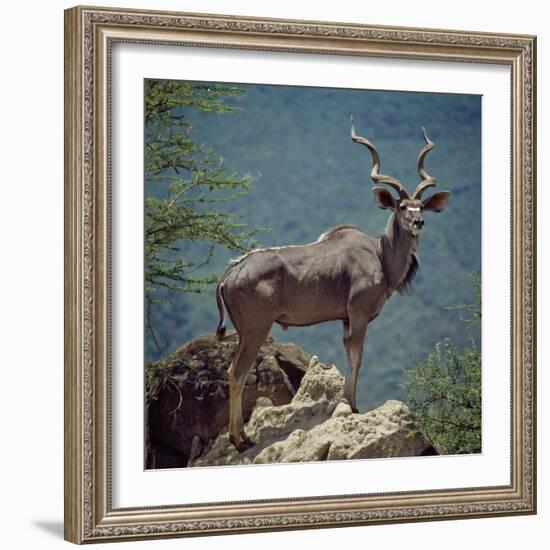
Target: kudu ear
point(383, 198)
point(437, 202)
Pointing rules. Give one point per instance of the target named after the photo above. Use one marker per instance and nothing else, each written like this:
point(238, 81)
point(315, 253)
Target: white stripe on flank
point(321, 238)
point(269, 249)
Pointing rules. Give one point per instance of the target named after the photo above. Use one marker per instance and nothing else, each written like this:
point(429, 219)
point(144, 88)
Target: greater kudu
point(345, 275)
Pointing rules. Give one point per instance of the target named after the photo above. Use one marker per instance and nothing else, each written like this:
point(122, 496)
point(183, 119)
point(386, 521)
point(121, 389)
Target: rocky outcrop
point(318, 424)
point(191, 408)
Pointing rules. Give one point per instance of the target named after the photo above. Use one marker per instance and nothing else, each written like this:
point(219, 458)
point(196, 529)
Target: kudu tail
point(220, 331)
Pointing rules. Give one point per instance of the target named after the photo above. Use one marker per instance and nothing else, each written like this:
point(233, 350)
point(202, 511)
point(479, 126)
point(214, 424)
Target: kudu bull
point(345, 275)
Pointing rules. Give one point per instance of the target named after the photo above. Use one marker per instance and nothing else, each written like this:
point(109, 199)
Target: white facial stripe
point(413, 208)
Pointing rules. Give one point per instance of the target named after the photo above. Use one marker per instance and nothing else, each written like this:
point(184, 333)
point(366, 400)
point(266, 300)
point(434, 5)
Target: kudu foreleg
point(354, 338)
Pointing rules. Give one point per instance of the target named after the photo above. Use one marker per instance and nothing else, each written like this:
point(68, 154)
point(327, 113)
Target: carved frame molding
point(89, 35)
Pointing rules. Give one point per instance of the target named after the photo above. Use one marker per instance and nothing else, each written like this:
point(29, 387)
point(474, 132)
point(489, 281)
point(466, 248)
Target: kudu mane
point(405, 286)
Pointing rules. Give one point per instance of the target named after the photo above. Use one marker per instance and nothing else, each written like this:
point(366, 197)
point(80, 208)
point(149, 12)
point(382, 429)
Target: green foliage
point(444, 393)
point(472, 310)
point(186, 182)
point(155, 379)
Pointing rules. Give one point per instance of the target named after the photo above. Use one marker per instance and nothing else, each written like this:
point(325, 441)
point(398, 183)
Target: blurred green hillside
point(310, 176)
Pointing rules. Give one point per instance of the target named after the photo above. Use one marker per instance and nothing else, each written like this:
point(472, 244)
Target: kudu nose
point(418, 223)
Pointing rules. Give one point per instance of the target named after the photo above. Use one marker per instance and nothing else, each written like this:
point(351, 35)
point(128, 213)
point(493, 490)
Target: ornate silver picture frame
point(91, 515)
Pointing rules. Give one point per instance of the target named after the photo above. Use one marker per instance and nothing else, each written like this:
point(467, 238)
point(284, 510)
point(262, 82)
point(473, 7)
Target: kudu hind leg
point(354, 338)
point(247, 351)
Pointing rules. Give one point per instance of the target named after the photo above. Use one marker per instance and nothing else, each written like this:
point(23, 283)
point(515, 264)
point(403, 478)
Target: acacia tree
point(185, 184)
point(444, 393)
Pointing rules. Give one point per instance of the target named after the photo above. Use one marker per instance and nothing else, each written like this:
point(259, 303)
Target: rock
point(191, 407)
point(318, 395)
point(318, 424)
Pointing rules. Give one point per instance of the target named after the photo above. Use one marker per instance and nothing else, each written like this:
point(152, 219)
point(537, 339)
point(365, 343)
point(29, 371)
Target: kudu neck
point(398, 248)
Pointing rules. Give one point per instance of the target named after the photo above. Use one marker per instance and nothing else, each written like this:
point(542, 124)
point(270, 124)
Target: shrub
point(444, 392)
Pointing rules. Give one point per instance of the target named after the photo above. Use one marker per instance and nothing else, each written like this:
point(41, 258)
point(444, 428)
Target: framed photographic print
point(300, 274)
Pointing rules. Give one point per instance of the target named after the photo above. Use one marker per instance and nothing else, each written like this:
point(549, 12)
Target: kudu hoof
point(242, 445)
point(353, 408)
